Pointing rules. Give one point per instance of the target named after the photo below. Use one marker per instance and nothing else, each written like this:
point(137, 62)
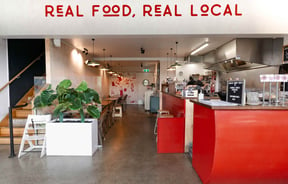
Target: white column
point(4, 78)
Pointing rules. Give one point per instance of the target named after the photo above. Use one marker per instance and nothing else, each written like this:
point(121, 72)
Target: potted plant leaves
point(68, 98)
point(66, 136)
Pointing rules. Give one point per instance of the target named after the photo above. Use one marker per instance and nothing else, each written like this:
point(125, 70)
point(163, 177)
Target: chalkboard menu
point(285, 54)
point(236, 91)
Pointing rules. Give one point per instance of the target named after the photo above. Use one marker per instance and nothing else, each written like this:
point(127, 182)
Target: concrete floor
point(127, 157)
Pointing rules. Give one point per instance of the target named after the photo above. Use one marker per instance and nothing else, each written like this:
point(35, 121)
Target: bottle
point(200, 95)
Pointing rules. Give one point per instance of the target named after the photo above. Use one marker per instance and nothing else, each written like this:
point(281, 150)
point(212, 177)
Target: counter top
point(179, 96)
point(240, 107)
point(184, 98)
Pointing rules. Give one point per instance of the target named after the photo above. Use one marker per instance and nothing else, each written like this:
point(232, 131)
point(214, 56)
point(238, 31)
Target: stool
point(161, 114)
point(117, 111)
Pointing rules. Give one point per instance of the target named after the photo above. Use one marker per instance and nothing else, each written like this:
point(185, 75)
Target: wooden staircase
point(19, 120)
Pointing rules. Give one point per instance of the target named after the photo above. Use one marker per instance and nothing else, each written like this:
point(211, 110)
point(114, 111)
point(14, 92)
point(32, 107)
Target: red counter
point(240, 145)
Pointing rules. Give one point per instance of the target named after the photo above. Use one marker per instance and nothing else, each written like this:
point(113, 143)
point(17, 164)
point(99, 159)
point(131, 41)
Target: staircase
point(19, 120)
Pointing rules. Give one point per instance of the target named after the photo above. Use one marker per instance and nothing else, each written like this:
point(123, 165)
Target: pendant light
point(176, 63)
point(167, 65)
point(171, 57)
point(104, 67)
point(92, 62)
point(109, 67)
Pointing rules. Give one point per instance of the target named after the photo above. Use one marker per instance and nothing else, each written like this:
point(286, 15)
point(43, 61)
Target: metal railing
point(22, 71)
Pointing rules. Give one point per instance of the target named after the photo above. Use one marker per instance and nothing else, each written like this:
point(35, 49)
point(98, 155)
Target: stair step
point(6, 140)
point(5, 131)
point(19, 122)
point(22, 113)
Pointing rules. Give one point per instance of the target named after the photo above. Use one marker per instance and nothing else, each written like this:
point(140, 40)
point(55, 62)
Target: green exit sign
point(146, 70)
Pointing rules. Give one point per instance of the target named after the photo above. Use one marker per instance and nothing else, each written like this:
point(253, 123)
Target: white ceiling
point(124, 51)
point(155, 46)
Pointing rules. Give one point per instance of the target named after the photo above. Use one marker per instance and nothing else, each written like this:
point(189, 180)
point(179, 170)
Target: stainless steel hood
point(245, 54)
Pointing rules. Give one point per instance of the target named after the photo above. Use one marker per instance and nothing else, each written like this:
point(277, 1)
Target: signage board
point(236, 92)
point(148, 17)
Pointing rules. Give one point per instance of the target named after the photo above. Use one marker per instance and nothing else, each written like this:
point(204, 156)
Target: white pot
point(71, 138)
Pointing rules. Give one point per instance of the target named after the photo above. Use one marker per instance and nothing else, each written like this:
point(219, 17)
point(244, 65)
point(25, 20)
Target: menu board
point(236, 91)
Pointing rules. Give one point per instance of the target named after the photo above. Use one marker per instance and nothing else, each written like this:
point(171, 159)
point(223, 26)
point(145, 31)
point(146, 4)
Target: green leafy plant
point(66, 98)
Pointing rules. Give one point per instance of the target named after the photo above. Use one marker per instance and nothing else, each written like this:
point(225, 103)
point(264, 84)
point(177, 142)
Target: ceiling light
point(201, 47)
point(105, 67)
point(169, 68)
point(173, 66)
point(92, 62)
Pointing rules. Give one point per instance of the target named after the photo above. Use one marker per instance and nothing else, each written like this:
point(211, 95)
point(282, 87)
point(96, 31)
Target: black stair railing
point(12, 151)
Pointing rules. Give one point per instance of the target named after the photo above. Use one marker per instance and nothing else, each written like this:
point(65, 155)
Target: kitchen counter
point(240, 144)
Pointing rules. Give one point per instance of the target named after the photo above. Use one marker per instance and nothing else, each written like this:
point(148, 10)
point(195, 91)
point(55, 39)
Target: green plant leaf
point(66, 83)
point(96, 98)
point(60, 90)
point(69, 98)
point(76, 104)
point(93, 111)
point(87, 96)
point(45, 97)
point(60, 108)
point(52, 98)
point(37, 102)
point(82, 86)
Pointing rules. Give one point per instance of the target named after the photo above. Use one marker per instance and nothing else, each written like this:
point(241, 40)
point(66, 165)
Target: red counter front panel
point(171, 135)
point(240, 146)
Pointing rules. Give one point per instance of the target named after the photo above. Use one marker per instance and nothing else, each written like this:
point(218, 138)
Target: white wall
point(189, 69)
point(66, 62)
point(139, 82)
point(132, 85)
point(4, 78)
point(105, 83)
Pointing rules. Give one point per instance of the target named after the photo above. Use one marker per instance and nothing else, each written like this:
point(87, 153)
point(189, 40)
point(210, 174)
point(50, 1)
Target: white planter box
point(71, 139)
